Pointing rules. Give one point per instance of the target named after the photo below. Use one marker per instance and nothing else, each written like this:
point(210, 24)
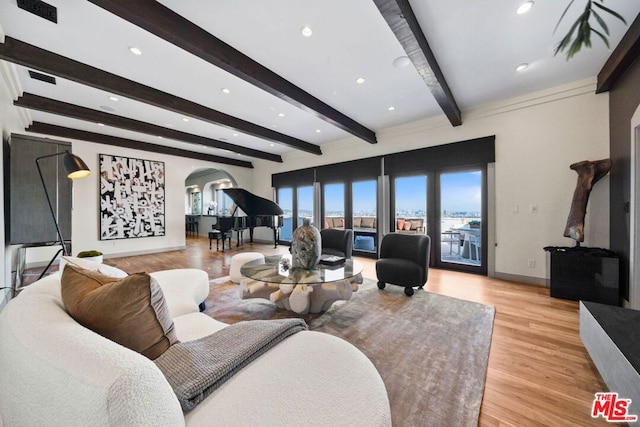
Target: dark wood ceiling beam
point(48, 105)
point(64, 132)
point(21, 53)
point(625, 54)
point(405, 26)
point(170, 26)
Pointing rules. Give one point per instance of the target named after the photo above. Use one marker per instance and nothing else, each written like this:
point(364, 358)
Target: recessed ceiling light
point(318, 131)
point(271, 145)
point(135, 50)
point(391, 108)
point(225, 90)
point(184, 119)
point(280, 114)
point(161, 137)
point(107, 108)
point(100, 124)
point(401, 62)
point(522, 67)
point(306, 31)
point(113, 98)
point(235, 134)
point(360, 80)
point(524, 7)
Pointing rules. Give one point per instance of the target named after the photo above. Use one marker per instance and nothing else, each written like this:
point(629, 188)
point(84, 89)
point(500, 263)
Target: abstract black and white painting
point(131, 198)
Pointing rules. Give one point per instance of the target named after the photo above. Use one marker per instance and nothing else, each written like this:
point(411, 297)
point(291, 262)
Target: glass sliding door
point(461, 213)
point(333, 206)
point(410, 204)
point(285, 201)
point(364, 216)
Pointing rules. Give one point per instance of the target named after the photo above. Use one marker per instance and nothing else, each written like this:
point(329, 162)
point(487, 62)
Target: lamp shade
point(75, 166)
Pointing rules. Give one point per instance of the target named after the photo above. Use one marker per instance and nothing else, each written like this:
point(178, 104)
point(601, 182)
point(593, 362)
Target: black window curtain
point(472, 152)
point(368, 168)
point(297, 178)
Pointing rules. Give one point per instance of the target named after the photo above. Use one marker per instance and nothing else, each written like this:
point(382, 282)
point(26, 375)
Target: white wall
point(85, 217)
point(537, 137)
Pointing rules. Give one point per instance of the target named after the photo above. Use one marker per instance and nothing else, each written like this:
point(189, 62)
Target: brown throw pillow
point(400, 224)
point(130, 311)
point(407, 225)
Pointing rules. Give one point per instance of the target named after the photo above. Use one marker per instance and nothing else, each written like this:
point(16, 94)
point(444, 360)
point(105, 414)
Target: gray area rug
point(431, 350)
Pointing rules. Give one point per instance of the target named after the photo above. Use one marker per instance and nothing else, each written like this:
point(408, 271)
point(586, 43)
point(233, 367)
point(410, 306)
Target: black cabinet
point(581, 273)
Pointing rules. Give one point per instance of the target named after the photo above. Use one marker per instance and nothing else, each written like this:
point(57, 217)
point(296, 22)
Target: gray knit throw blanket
point(196, 368)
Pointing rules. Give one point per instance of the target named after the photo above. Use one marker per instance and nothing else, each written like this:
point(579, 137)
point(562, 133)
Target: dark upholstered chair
point(404, 261)
point(337, 242)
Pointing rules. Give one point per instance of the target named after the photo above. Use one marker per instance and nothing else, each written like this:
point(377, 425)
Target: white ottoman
point(238, 260)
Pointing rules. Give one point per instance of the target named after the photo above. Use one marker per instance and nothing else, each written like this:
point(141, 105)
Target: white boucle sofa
point(55, 372)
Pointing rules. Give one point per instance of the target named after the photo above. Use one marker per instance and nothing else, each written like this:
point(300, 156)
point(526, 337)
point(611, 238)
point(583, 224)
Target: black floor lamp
point(75, 168)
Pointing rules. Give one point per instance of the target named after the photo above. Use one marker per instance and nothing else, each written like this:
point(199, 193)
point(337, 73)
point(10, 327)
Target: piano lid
point(252, 204)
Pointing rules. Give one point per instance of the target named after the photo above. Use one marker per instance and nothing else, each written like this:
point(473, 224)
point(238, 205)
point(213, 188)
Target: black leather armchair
point(337, 242)
point(404, 261)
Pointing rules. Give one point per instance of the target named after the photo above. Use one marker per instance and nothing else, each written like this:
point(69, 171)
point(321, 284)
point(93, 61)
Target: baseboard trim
point(529, 280)
point(145, 252)
point(117, 255)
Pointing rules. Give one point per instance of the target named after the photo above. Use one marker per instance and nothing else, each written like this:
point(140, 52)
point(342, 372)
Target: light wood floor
point(539, 372)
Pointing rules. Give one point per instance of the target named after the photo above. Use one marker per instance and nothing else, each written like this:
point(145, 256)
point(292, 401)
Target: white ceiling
point(477, 44)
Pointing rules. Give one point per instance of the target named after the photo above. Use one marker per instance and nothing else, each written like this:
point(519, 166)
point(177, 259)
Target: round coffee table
point(297, 289)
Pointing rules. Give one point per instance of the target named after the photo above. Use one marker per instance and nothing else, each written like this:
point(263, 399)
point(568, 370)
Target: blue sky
point(461, 191)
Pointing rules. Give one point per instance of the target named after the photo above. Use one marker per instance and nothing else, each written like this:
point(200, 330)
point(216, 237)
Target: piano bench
point(217, 236)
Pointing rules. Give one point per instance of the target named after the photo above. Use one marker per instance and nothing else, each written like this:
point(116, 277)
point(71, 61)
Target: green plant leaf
point(562, 16)
point(567, 38)
point(606, 9)
point(602, 36)
point(601, 22)
point(582, 28)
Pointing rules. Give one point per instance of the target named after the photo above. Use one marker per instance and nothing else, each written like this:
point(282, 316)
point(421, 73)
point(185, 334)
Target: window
point(411, 204)
point(461, 217)
point(304, 204)
point(333, 206)
point(364, 219)
point(285, 201)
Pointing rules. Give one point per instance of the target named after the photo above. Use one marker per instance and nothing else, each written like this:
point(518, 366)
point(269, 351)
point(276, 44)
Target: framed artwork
point(132, 197)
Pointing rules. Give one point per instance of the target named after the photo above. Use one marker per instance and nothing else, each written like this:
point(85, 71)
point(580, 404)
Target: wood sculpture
point(588, 174)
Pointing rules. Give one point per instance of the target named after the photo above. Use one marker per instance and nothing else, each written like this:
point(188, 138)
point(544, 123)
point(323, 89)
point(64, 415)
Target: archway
point(204, 199)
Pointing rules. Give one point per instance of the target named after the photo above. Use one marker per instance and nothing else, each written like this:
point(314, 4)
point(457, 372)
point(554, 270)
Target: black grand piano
point(260, 212)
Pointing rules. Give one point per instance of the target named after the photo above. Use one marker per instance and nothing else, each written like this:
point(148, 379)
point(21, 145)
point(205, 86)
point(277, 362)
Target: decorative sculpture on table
point(306, 246)
point(588, 174)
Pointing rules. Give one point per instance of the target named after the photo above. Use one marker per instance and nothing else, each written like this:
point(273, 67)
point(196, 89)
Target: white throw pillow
point(107, 270)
